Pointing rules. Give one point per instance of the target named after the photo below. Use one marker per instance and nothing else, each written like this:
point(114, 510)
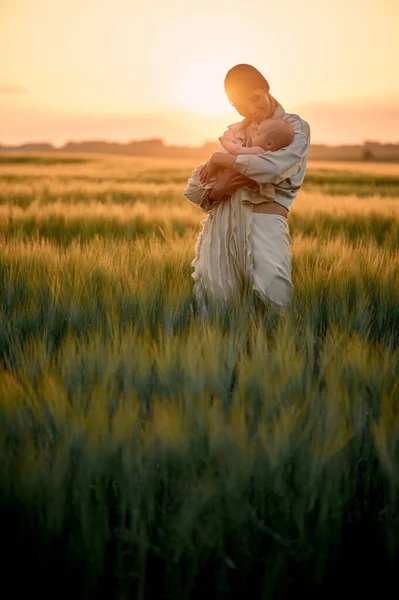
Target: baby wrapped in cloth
point(224, 251)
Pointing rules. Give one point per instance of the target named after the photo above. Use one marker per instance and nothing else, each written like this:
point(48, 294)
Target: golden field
point(136, 439)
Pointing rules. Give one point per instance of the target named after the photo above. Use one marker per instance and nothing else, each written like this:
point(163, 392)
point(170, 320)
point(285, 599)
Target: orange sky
point(122, 69)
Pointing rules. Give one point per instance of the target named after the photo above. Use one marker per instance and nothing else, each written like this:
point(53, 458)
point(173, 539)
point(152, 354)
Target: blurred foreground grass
point(147, 454)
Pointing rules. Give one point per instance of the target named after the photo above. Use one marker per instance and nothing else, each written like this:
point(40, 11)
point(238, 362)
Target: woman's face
point(256, 105)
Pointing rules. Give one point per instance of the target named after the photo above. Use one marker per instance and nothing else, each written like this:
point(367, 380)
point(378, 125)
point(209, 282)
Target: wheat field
point(145, 454)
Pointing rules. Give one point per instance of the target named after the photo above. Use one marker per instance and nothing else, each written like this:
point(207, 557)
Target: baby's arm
point(230, 146)
point(253, 150)
point(236, 149)
point(221, 159)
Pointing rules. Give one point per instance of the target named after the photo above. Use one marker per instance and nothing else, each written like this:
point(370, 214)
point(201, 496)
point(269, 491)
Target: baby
point(272, 135)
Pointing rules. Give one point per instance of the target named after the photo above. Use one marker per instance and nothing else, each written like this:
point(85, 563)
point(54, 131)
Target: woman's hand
point(209, 170)
point(227, 182)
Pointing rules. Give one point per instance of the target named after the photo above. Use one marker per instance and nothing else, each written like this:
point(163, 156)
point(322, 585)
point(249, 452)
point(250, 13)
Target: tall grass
point(147, 453)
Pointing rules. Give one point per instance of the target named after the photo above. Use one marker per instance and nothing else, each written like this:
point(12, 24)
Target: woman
point(246, 236)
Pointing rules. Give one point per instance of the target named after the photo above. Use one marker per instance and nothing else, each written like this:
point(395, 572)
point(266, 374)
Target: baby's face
point(261, 138)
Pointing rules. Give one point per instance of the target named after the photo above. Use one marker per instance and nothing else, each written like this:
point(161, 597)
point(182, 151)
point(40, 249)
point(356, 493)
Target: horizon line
point(165, 144)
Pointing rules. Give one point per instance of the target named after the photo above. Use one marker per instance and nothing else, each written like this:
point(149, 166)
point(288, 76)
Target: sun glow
point(200, 87)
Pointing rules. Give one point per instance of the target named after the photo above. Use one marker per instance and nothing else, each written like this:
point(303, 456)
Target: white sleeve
point(197, 192)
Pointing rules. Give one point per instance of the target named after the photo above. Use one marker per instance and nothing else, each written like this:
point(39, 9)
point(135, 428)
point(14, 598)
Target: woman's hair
point(243, 77)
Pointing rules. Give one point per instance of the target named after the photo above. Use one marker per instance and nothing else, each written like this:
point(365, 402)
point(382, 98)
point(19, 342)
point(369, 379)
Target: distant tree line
point(369, 151)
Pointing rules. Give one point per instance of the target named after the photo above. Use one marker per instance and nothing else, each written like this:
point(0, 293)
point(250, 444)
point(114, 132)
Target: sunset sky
point(122, 69)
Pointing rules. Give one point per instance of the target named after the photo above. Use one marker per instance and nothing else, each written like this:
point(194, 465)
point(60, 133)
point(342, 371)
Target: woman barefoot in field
point(247, 198)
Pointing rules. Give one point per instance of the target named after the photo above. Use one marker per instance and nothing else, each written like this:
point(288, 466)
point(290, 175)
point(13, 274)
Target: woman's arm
point(217, 160)
point(227, 182)
point(198, 192)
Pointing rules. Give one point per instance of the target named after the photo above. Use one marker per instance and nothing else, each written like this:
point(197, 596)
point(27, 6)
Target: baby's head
point(273, 134)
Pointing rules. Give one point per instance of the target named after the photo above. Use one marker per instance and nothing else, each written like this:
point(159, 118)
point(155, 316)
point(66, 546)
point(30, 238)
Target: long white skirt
point(237, 245)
